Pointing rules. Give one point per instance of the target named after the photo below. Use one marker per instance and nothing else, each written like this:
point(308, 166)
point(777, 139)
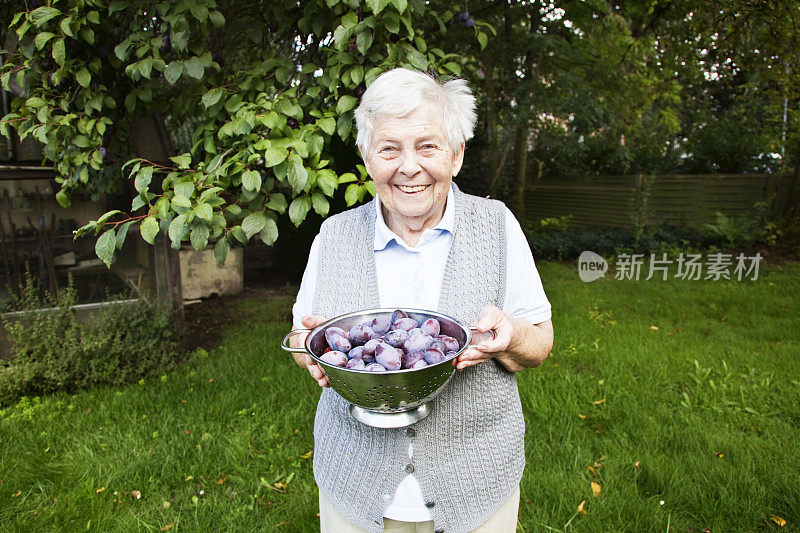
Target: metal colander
point(393, 398)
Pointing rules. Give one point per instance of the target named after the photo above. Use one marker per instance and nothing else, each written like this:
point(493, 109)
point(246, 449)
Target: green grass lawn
point(679, 399)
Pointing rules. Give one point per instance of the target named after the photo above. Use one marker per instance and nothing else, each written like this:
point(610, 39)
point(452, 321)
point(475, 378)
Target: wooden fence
point(680, 200)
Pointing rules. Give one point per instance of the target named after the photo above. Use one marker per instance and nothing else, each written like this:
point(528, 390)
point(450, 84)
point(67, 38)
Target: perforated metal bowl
point(390, 399)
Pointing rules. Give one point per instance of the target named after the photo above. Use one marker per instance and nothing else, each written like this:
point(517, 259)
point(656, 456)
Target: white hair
point(400, 91)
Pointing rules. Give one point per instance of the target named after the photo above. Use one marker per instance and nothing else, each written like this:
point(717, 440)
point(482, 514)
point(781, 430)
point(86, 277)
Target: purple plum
point(356, 353)
point(404, 323)
point(433, 356)
point(361, 334)
point(417, 343)
point(396, 338)
point(356, 364)
point(430, 326)
point(375, 367)
point(398, 315)
point(381, 324)
point(334, 358)
point(389, 358)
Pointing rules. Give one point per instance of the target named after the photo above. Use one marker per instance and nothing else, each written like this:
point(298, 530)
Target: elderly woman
point(423, 243)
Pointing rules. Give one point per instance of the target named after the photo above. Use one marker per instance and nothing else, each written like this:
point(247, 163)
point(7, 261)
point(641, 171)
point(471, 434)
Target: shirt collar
point(383, 235)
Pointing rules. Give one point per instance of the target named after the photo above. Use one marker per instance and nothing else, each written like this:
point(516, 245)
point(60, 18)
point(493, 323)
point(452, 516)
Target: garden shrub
point(54, 350)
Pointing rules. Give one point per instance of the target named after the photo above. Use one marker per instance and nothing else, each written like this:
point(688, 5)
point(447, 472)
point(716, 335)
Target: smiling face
point(412, 166)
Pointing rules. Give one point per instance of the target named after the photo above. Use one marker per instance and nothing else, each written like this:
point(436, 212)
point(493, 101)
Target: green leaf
point(42, 14)
point(364, 41)
point(392, 22)
point(299, 208)
point(63, 198)
point(199, 236)
point(204, 212)
point(149, 229)
point(327, 180)
point(344, 125)
point(212, 97)
point(455, 68)
point(221, 250)
point(117, 5)
point(377, 5)
point(320, 203)
point(173, 71)
point(93, 17)
point(138, 202)
point(143, 178)
point(483, 39)
point(41, 39)
point(297, 174)
point(122, 232)
point(277, 202)
point(251, 180)
point(238, 234)
point(83, 77)
point(345, 104)
point(275, 156)
point(253, 223)
point(351, 194)
point(183, 161)
point(216, 18)
point(347, 177)
point(105, 246)
point(177, 229)
point(327, 124)
point(59, 52)
point(181, 201)
point(269, 233)
point(194, 67)
point(417, 60)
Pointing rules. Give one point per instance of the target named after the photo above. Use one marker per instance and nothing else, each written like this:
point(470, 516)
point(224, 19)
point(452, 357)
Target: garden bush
point(53, 350)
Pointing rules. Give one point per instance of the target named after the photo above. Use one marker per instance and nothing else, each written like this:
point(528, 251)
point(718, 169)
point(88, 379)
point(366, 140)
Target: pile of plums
point(389, 342)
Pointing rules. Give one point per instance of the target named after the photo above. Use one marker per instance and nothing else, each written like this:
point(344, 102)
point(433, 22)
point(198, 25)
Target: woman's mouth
point(411, 189)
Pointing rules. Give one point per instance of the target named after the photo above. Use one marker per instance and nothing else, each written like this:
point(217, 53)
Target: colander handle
point(493, 332)
point(285, 345)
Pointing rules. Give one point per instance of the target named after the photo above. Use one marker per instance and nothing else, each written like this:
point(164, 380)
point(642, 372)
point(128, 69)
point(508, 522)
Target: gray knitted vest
point(469, 453)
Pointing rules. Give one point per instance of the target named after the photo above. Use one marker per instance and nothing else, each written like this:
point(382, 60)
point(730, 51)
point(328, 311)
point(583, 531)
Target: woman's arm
point(518, 343)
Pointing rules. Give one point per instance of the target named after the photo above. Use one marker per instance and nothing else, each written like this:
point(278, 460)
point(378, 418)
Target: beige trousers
point(503, 521)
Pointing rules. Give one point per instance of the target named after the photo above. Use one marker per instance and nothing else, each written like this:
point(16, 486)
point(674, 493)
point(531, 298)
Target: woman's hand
point(517, 345)
point(303, 359)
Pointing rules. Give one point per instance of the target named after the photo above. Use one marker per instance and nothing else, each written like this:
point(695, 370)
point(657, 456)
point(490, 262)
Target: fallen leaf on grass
point(221, 481)
point(582, 417)
point(167, 527)
point(637, 464)
point(580, 507)
point(596, 488)
point(306, 455)
point(210, 380)
point(136, 494)
point(719, 454)
point(598, 402)
point(186, 431)
point(16, 494)
point(654, 328)
point(101, 489)
point(778, 520)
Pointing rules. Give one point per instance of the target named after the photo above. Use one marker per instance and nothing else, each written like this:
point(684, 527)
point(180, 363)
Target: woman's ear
point(458, 160)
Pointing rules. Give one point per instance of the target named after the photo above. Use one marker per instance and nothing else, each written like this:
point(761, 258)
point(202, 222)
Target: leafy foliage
point(268, 86)
point(55, 350)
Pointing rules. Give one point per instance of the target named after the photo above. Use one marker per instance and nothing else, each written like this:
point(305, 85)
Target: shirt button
point(410, 432)
point(429, 505)
point(410, 468)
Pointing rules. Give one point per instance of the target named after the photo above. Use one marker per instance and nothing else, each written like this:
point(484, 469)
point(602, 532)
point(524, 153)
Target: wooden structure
point(679, 200)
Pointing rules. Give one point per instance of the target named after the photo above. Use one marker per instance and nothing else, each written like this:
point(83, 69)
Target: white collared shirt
point(411, 276)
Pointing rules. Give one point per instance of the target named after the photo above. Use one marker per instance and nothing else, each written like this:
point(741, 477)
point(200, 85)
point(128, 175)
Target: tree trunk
point(491, 115)
point(520, 168)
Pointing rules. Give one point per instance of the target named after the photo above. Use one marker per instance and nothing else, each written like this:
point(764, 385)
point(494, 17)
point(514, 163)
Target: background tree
point(266, 87)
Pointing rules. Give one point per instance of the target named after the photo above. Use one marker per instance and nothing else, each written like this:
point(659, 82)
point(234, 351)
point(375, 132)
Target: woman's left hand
point(517, 344)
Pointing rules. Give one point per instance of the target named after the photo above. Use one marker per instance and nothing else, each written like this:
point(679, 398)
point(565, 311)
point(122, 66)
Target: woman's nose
point(409, 164)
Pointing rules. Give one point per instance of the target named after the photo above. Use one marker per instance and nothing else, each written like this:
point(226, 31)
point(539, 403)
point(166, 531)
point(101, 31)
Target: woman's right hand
point(305, 360)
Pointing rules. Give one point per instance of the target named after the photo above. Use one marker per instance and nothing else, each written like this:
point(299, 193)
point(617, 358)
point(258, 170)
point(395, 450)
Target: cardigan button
point(440, 530)
point(410, 468)
point(429, 505)
point(410, 432)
